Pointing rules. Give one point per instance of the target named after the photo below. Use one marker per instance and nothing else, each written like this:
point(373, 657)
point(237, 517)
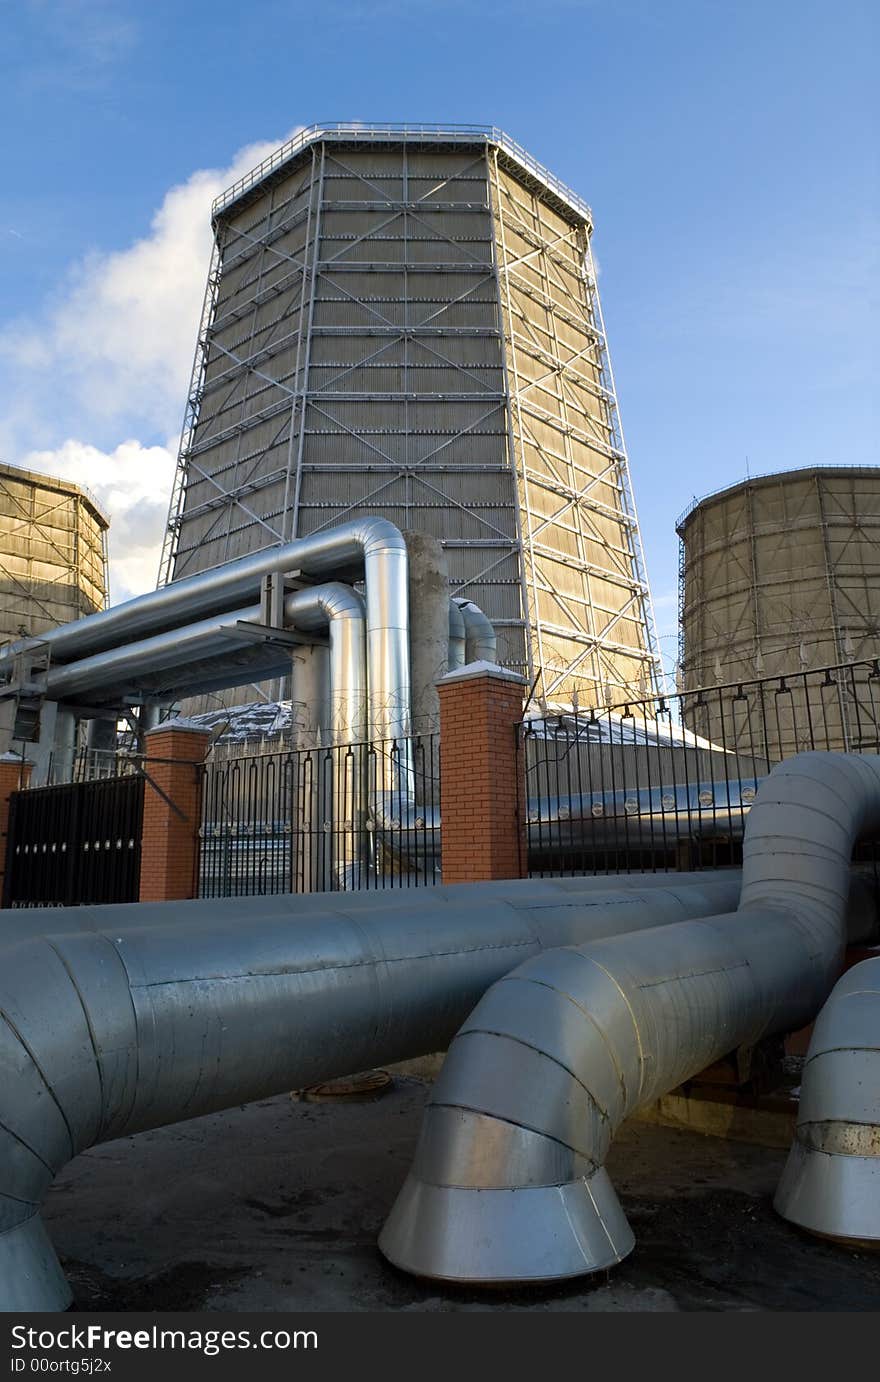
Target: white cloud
point(121, 334)
point(132, 484)
point(110, 356)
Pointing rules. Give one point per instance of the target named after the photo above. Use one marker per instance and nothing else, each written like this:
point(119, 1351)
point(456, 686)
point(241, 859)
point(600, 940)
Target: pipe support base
point(491, 1237)
point(30, 1273)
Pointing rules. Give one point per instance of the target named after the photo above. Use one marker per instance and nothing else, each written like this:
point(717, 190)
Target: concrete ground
point(277, 1206)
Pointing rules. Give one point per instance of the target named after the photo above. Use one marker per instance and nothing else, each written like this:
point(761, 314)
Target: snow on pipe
point(146, 1016)
point(831, 1181)
point(564, 1048)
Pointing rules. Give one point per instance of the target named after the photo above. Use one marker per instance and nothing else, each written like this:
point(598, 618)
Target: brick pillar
point(14, 774)
point(170, 841)
point(482, 786)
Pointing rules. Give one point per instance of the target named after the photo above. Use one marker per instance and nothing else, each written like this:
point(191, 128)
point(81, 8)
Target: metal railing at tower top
point(351, 131)
point(667, 782)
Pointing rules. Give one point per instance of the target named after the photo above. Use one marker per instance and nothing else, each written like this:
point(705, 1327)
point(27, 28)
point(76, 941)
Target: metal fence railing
point(321, 819)
point(75, 844)
point(667, 782)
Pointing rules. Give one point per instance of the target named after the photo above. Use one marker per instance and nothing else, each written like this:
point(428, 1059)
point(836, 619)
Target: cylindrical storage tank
point(780, 580)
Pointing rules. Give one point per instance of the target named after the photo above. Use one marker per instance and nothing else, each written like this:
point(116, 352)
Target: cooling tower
point(53, 553)
point(403, 321)
point(780, 575)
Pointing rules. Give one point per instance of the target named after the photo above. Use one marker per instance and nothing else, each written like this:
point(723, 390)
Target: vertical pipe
point(481, 645)
point(64, 746)
point(457, 642)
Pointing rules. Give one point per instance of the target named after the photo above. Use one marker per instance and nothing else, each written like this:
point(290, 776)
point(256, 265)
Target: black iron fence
point(74, 844)
point(667, 782)
point(321, 819)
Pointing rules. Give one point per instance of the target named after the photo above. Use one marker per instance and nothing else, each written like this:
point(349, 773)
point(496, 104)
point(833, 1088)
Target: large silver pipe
point(481, 644)
point(341, 610)
point(332, 606)
point(561, 893)
point(124, 1026)
point(334, 857)
point(457, 639)
point(563, 1049)
point(569, 893)
point(371, 547)
point(831, 1181)
point(120, 666)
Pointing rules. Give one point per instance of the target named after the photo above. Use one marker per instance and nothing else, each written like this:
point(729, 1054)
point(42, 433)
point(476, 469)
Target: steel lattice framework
point(53, 553)
point(404, 321)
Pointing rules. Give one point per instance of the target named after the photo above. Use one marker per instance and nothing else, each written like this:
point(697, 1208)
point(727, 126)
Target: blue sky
point(729, 152)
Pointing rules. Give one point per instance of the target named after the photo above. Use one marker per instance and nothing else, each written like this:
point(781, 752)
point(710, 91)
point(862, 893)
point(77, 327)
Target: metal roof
point(352, 131)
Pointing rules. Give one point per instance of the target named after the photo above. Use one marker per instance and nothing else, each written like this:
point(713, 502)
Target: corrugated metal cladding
point(406, 329)
point(780, 575)
point(53, 553)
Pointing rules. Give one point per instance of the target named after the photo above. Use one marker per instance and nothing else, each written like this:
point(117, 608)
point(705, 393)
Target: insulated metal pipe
point(557, 1054)
point(121, 666)
point(457, 639)
point(147, 1019)
point(481, 644)
point(831, 1181)
point(562, 895)
point(333, 606)
point(369, 546)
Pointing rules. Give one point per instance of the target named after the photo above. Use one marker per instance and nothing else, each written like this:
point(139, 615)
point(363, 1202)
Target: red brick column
point(14, 774)
point(482, 783)
point(172, 808)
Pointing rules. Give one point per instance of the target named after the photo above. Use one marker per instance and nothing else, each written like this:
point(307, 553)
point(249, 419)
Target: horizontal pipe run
point(364, 547)
point(120, 667)
point(557, 893)
point(457, 655)
point(332, 606)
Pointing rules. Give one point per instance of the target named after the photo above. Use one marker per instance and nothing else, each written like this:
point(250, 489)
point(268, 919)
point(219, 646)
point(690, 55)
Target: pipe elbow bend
point(480, 636)
point(508, 1182)
point(831, 1181)
point(378, 536)
point(332, 599)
